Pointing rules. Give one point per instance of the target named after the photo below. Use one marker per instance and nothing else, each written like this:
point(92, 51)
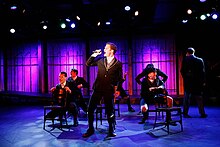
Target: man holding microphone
point(107, 84)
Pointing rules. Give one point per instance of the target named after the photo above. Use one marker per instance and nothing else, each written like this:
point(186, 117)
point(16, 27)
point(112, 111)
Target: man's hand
point(152, 88)
point(96, 53)
point(52, 89)
point(79, 86)
point(67, 89)
point(116, 94)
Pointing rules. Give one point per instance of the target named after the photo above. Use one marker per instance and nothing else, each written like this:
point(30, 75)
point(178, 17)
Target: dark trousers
point(81, 103)
point(95, 99)
point(186, 102)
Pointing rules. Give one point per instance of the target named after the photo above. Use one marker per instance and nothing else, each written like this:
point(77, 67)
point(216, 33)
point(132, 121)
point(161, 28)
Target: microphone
point(97, 51)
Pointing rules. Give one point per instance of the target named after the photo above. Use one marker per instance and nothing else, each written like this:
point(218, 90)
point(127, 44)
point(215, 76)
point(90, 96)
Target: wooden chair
point(100, 111)
point(161, 99)
point(56, 110)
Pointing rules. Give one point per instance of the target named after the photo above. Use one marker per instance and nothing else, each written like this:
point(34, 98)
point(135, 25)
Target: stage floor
point(22, 126)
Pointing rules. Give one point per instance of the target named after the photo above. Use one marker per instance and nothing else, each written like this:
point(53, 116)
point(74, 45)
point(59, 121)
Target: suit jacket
point(107, 77)
point(79, 80)
point(193, 73)
point(146, 84)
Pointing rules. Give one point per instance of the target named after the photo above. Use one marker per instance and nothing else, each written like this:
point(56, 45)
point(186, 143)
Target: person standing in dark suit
point(193, 73)
point(107, 84)
point(78, 83)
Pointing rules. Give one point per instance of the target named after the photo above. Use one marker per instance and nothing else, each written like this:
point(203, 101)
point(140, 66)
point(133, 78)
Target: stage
point(22, 125)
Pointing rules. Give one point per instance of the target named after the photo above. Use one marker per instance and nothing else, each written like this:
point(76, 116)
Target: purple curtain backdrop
point(63, 55)
point(158, 50)
point(26, 62)
point(22, 68)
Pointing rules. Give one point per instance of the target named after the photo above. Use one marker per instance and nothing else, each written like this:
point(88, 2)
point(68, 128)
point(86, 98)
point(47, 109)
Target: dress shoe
point(203, 116)
point(139, 113)
point(130, 109)
point(142, 120)
point(88, 133)
point(186, 116)
point(111, 134)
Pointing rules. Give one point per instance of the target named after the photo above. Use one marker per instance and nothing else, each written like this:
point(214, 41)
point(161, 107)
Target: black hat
point(149, 70)
point(150, 66)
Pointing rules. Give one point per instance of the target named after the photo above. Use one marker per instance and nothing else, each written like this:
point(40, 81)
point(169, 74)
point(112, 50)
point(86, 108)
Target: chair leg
point(118, 109)
point(96, 121)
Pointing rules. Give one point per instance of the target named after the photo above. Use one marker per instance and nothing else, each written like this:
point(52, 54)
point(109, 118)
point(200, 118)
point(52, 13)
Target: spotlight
point(214, 16)
point(73, 25)
point(77, 17)
point(13, 7)
point(67, 19)
point(99, 23)
point(63, 25)
point(203, 17)
point(108, 23)
point(44, 27)
point(136, 13)
point(127, 8)
point(12, 30)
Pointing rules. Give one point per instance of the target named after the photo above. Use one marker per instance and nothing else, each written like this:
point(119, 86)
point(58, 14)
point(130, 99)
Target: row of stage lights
point(68, 23)
point(205, 13)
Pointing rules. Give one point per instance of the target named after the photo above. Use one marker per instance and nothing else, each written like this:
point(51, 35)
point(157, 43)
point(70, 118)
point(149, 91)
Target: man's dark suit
point(108, 77)
point(193, 73)
point(77, 93)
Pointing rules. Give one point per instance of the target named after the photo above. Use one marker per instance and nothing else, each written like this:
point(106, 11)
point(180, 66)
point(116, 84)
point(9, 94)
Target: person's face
point(73, 74)
point(62, 78)
point(108, 51)
point(152, 75)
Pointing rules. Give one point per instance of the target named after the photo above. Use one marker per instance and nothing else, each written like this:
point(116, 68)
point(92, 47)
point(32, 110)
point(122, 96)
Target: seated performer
point(62, 94)
point(149, 86)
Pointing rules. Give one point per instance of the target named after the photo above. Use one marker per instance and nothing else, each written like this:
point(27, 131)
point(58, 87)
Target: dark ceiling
point(30, 15)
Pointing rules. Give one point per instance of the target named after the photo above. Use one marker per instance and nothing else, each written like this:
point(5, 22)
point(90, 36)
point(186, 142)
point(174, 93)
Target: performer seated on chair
point(78, 83)
point(62, 94)
point(148, 87)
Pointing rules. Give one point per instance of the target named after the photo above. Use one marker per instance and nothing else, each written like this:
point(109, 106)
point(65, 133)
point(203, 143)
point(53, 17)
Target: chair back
point(160, 96)
point(60, 96)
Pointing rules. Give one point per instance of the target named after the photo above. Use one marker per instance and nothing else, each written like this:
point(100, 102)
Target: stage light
point(203, 17)
point(13, 7)
point(77, 17)
point(63, 25)
point(127, 8)
point(12, 30)
point(73, 25)
point(189, 11)
point(202, 1)
point(44, 27)
point(99, 23)
point(214, 16)
point(136, 13)
point(108, 23)
point(67, 19)
point(184, 21)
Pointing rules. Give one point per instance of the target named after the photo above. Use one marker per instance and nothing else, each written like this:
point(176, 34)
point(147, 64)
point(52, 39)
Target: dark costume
point(108, 77)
